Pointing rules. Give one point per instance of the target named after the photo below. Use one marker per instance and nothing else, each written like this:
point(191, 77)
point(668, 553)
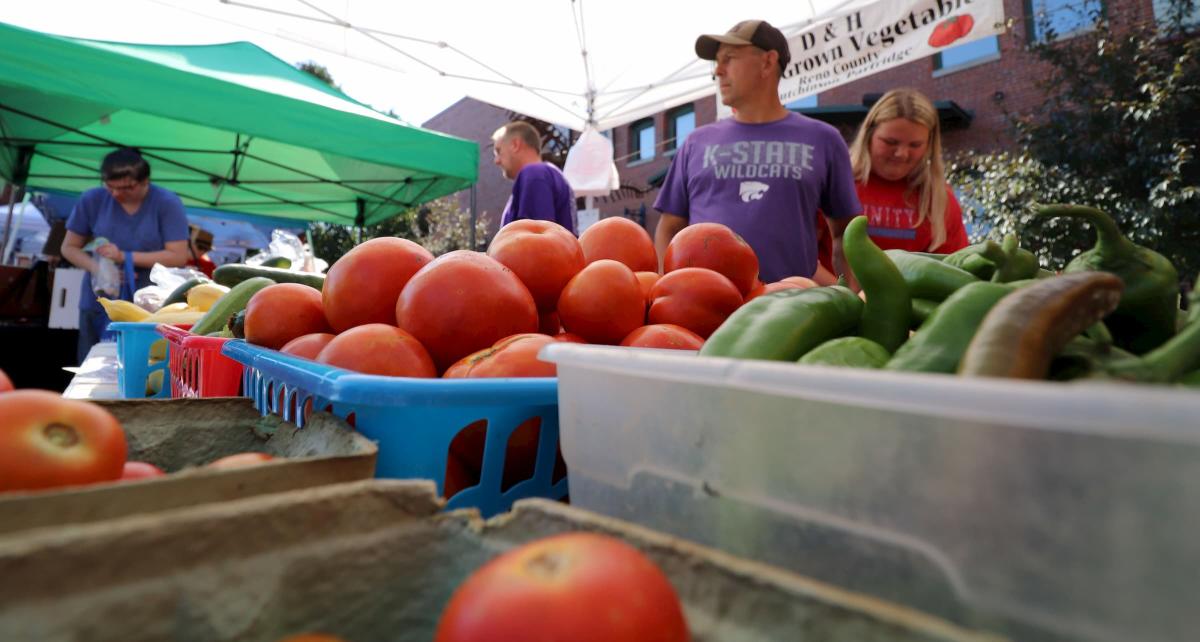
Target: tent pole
point(360, 215)
point(474, 218)
point(12, 201)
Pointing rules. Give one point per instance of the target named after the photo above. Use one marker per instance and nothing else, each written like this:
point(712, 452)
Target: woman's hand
point(111, 252)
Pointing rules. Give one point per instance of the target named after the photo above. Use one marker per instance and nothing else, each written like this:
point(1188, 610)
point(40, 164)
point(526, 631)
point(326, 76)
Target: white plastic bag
point(106, 282)
point(285, 245)
point(164, 280)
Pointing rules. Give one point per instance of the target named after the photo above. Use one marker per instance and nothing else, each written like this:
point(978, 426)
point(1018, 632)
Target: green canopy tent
point(228, 127)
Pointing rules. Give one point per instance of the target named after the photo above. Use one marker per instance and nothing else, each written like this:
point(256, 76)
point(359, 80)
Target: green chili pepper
point(885, 314)
point(785, 325)
point(921, 309)
point(1018, 264)
point(989, 251)
point(1021, 335)
point(928, 278)
point(1145, 317)
point(939, 344)
point(980, 267)
point(1168, 362)
point(851, 352)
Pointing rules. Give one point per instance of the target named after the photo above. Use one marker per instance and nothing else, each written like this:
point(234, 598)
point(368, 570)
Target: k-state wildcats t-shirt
point(765, 181)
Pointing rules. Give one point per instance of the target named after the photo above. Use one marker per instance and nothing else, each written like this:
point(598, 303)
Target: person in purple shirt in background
point(143, 223)
point(764, 172)
point(540, 191)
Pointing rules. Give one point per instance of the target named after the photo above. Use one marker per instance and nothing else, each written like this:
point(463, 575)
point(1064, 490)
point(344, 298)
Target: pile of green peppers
point(987, 310)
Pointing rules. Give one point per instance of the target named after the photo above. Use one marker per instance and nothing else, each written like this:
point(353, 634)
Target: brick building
point(974, 86)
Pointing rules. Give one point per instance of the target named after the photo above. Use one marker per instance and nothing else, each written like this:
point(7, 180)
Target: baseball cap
point(759, 33)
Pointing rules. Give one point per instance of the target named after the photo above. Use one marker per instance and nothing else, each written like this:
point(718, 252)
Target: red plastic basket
point(198, 369)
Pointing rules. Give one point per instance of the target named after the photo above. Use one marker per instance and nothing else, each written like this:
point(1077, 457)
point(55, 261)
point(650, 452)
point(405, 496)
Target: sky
point(207, 21)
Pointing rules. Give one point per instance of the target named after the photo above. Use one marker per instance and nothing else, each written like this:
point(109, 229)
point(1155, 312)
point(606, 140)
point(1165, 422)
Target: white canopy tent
point(568, 62)
point(614, 61)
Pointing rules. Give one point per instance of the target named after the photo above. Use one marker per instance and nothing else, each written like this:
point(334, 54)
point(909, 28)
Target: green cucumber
point(234, 273)
point(179, 294)
point(230, 304)
point(277, 262)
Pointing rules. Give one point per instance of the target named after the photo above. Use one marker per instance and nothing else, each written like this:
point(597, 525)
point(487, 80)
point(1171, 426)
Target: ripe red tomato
point(279, 313)
point(663, 335)
point(622, 240)
point(6, 384)
point(378, 349)
point(768, 288)
point(698, 299)
point(802, 281)
point(48, 441)
point(583, 587)
point(567, 337)
point(543, 254)
point(716, 247)
point(363, 285)
point(141, 470)
point(514, 356)
point(647, 281)
point(240, 460)
point(548, 323)
point(462, 302)
point(603, 303)
point(307, 346)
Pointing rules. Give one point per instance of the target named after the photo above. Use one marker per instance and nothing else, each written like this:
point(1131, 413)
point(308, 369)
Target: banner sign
point(866, 40)
point(853, 44)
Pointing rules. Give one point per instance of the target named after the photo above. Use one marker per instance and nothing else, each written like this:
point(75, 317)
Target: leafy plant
point(1117, 130)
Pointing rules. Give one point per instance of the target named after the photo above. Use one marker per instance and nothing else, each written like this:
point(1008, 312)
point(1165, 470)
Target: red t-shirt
point(892, 219)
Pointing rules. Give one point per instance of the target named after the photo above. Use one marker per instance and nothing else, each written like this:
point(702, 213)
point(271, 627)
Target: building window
point(1162, 13)
point(641, 140)
point(680, 122)
point(803, 103)
point(1051, 19)
point(981, 50)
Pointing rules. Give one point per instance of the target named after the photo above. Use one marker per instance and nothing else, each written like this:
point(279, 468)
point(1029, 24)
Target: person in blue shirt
point(540, 190)
point(144, 224)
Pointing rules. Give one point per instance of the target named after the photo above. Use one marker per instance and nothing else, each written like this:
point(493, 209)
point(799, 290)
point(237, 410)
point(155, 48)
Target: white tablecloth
point(96, 377)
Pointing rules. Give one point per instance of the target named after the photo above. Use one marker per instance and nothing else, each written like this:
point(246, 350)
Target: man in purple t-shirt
point(540, 190)
point(766, 171)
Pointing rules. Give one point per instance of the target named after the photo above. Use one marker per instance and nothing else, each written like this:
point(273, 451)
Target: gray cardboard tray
point(375, 561)
point(180, 436)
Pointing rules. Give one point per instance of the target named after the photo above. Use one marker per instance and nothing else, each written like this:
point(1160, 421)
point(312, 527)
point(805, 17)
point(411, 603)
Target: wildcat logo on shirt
point(752, 190)
point(759, 159)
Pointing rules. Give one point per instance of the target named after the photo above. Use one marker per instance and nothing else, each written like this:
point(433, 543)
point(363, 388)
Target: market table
point(96, 377)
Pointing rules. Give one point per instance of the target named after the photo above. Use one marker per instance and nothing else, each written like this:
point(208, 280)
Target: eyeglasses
point(127, 186)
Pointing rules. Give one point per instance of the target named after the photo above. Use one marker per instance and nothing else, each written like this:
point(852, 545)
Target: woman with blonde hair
point(901, 181)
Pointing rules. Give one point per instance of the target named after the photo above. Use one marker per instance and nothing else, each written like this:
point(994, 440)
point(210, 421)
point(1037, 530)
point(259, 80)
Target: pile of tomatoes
point(389, 307)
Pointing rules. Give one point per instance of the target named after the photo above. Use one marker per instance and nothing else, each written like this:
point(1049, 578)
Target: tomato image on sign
point(950, 30)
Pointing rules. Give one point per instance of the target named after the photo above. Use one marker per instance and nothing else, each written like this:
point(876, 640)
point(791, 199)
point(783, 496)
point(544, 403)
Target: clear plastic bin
point(1042, 511)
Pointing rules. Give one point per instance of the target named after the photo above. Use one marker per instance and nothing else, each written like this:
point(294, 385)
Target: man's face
point(739, 70)
point(504, 150)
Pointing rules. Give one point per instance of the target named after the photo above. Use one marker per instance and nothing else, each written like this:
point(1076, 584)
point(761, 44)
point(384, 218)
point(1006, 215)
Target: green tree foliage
point(440, 226)
point(318, 71)
point(1118, 130)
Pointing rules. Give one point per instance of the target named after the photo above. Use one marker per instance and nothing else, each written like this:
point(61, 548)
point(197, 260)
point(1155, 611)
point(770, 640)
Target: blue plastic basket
point(133, 359)
point(414, 420)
